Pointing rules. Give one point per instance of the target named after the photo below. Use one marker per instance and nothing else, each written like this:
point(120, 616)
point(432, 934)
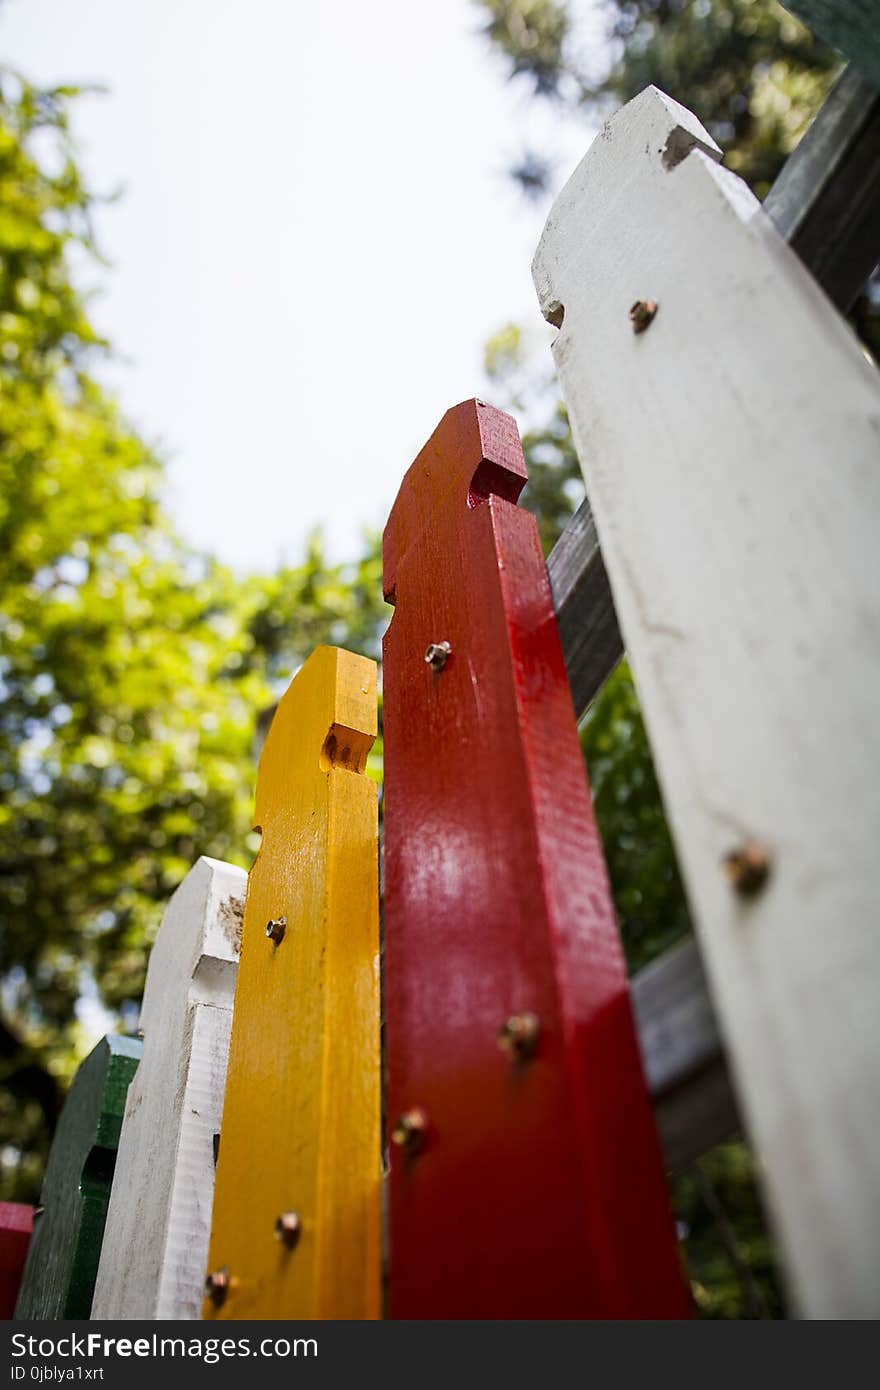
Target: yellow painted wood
point(301, 1119)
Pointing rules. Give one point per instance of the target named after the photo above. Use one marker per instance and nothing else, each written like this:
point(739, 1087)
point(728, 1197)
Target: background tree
point(751, 72)
point(132, 669)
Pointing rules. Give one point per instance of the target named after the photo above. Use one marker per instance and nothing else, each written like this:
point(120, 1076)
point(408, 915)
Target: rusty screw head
point(437, 654)
point(641, 314)
point(409, 1132)
point(518, 1036)
point(217, 1286)
point(275, 929)
point(748, 868)
point(288, 1228)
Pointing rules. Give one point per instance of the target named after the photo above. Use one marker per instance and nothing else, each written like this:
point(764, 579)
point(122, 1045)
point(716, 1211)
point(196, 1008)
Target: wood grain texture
point(540, 1190)
point(301, 1120)
point(826, 200)
point(588, 627)
point(159, 1219)
point(731, 453)
point(65, 1248)
point(16, 1224)
point(695, 1105)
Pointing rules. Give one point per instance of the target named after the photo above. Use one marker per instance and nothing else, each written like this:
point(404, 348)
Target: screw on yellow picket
point(296, 1223)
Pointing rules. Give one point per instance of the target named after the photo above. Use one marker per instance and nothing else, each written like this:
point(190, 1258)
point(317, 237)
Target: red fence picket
point(526, 1177)
point(16, 1224)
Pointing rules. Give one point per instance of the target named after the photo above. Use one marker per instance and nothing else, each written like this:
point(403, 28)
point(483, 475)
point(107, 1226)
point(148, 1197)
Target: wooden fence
point(728, 424)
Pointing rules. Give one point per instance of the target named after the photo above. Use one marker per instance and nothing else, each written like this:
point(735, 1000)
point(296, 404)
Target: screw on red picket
point(437, 654)
point(518, 1036)
point(410, 1131)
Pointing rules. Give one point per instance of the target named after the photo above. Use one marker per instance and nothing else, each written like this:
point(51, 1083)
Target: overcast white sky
point(317, 236)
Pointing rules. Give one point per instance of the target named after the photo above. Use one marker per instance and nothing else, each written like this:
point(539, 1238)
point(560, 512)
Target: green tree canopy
point(132, 668)
point(753, 73)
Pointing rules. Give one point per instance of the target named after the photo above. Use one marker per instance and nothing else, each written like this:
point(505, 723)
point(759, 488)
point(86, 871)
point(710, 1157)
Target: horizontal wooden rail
point(694, 1102)
point(826, 200)
point(822, 204)
point(850, 26)
point(591, 640)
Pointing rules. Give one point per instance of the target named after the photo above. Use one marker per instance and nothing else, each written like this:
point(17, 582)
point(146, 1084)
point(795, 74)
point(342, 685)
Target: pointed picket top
point(295, 1230)
point(337, 689)
point(201, 924)
point(474, 452)
point(653, 130)
point(62, 1262)
point(526, 1179)
point(158, 1222)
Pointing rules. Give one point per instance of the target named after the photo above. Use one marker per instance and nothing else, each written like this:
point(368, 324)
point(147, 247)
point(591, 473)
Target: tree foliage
point(555, 486)
point(132, 669)
point(533, 35)
point(751, 72)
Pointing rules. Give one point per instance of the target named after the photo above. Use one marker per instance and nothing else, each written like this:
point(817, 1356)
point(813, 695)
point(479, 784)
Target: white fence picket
point(732, 457)
point(158, 1224)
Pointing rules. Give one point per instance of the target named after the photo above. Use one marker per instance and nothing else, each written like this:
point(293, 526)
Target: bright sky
point(317, 236)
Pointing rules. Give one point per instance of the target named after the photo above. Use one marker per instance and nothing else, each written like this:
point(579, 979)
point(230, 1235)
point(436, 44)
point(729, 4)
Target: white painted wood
point(732, 459)
point(158, 1224)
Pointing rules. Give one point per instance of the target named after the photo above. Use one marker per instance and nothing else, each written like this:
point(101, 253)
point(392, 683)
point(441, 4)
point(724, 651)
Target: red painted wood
point(539, 1190)
point(16, 1224)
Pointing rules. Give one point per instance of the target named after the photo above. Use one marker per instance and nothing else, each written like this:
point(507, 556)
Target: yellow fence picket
point(296, 1223)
